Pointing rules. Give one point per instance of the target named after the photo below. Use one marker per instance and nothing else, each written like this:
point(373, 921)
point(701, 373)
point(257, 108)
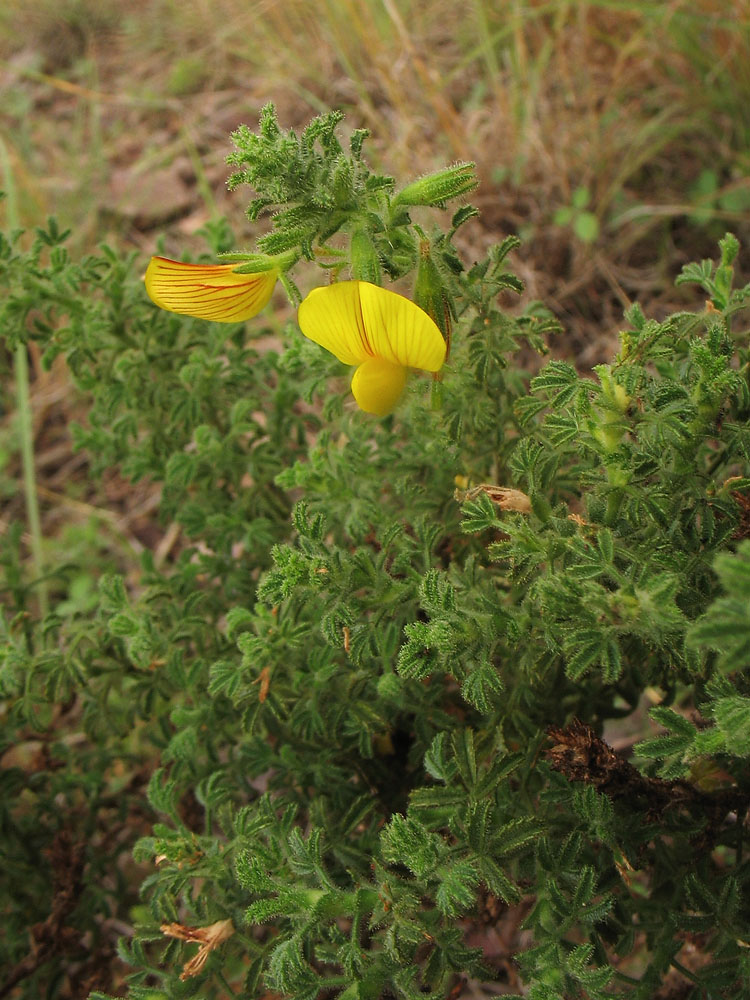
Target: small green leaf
point(586, 227)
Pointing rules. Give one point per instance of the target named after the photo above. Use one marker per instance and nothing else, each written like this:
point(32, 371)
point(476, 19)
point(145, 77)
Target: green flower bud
point(429, 291)
point(614, 394)
point(730, 247)
point(437, 188)
point(609, 435)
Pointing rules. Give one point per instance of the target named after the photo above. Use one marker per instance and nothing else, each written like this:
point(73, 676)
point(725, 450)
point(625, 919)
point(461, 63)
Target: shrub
point(363, 716)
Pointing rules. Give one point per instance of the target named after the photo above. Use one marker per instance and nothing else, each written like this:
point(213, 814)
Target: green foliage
point(576, 215)
point(314, 188)
point(340, 714)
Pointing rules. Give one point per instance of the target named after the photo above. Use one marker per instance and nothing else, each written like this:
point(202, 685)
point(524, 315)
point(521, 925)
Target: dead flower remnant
point(209, 938)
point(505, 497)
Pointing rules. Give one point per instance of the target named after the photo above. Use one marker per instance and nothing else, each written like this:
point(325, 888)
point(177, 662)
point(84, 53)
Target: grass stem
point(26, 433)
point(25, 421)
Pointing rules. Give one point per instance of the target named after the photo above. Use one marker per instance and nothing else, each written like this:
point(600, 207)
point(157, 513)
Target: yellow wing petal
point(332, 317)
point(399, 331)
point(208, 291)
point(377, 385)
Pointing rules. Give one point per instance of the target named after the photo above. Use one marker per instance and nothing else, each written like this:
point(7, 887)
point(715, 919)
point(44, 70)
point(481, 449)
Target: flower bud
point(614, 394)
point(608, 435)
point(429, 291)
point(437, 188)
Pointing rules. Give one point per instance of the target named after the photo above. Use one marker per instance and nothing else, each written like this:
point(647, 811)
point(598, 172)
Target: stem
point(740, 824)
point(614, 502)
point(204, 186)
point(685, 972)
point(29, 474)
point(26, 429)
point(625, 978)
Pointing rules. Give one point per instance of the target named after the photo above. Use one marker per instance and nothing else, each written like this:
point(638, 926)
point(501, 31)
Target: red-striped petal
point(208, 291)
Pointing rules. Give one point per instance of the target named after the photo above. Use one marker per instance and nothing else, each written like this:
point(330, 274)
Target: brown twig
point(581, 755)
point(53, 935)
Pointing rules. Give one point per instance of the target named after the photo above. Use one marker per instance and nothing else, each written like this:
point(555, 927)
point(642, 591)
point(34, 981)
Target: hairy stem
point(25, 423)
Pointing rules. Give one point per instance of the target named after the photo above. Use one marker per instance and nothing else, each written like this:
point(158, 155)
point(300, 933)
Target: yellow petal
point(356, 320)
point(208, 291)
point(397, 330)
point(377, 384)
point(332, 317)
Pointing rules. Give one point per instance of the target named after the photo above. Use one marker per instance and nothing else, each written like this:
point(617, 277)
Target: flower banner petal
point(377, 385)
point(397, 330)
point(381, 331)
point(208, 291)
point(332, 317)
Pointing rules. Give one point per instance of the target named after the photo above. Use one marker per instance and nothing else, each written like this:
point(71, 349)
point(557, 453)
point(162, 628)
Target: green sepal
point(365, 259)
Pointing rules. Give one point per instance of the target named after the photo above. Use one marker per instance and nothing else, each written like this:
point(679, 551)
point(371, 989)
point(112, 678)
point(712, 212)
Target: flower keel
point(377, 385)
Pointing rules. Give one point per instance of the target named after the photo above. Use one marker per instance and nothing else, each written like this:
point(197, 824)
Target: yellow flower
point(380, 331)
point(208, 291)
